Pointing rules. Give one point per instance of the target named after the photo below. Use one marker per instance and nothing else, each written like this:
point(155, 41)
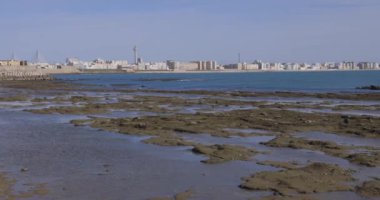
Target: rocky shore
point(156, 144)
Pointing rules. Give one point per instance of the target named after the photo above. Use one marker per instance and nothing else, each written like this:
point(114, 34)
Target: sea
point(323, 81)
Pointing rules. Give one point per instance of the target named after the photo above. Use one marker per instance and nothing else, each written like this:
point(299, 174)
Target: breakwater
point(31, 72)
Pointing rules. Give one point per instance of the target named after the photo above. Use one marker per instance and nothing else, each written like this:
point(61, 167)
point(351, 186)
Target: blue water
point(263, 81)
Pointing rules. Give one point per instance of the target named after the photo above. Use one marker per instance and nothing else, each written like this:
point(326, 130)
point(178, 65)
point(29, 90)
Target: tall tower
point(135, 54)
point(38, 56)
point(13, 56)
point(239, 58)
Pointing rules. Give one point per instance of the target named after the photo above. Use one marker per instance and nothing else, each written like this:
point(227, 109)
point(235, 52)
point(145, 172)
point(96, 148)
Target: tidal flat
point(61, 140)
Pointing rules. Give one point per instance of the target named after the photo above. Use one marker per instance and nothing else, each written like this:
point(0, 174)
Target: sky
point(268, 30)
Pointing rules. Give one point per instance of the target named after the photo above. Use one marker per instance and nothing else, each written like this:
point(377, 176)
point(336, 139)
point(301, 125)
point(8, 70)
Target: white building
point(291, 66)
point(192, 66)
point(368, 65)
point(100, 64)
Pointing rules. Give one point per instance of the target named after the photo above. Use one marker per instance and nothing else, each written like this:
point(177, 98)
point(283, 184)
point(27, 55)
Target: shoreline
point(250, 71)
point(42, 75)
point(213, 71)
point(200, 72)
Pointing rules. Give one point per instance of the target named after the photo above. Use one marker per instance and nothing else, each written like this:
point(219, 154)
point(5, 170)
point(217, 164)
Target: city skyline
point(286, 31)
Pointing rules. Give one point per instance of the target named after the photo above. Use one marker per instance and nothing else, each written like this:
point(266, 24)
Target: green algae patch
point(13, 98)
point(314, 178)
point(356, 107)
point(168, 141)
point(164, 125)
point(286, 141)
point(279, 164)
point(37, 85)
point(80, 122)
point(72, 99)
point(180, 196)
point(270, 117)
point(164, 136)
point(8, 192)
point(96, 108)
point(369, 189)
point(223, 153)
point(275, 121)
point(369, 159)
point(71, 110)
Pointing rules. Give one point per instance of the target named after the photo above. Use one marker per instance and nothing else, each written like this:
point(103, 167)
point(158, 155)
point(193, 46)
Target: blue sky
point(270, 30)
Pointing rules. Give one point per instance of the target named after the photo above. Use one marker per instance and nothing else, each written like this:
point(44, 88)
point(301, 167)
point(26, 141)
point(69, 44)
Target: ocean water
point(344, 81)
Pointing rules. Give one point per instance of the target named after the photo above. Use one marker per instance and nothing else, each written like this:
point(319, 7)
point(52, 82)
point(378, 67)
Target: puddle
point(250, 142)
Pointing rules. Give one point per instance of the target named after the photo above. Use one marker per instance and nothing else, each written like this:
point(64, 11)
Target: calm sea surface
point(263, 81)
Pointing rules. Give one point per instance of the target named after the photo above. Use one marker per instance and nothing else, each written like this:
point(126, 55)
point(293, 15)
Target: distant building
point(13, 63)
point(192, 66)
point(316, 66)
point(346, 65)
point(368, 65)
point(157, 66)
point(99, 64)
point(231, 67)
point(207, 65)
point(73, 62)
point(275, 66)
point(329, 66)
point(291, 66)
point(250, 66)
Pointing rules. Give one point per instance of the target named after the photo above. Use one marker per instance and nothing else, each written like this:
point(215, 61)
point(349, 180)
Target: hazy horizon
point(269, 30)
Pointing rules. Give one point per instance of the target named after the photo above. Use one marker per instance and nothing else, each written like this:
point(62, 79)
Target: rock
point(24, 169)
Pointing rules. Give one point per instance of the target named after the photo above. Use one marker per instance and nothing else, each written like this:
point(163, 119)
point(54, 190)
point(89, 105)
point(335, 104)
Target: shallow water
point(67, 158)
point(250, 142)
point(265, 81)
point(340, 139)
point(329, 111)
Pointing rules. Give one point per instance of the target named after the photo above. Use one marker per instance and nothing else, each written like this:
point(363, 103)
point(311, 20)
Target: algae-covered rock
point(369, 159)
point(71, 110)
point(279, 164)
point(314, 178)
point(223, 153)
point(168, 141)
point(14, 98)
point(330, 148)
point(369, 189)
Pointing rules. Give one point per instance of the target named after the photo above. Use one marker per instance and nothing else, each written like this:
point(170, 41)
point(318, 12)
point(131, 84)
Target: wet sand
point(62, 141)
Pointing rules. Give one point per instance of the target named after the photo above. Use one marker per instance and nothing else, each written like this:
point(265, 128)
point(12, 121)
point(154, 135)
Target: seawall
point(8, 73)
